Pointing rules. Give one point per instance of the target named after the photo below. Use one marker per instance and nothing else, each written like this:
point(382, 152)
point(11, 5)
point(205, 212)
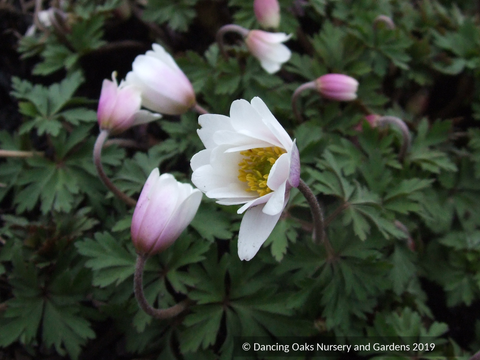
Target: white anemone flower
point(267, 47)
point(248, 159)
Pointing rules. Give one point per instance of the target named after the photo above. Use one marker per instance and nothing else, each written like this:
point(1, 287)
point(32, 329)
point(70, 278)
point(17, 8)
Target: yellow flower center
point(255, 167)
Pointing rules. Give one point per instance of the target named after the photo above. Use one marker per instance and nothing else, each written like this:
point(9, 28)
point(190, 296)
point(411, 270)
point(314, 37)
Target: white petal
point(205, 179)
point(232, 191)
point(238, 141)
point(234, 201)
point(278, 53)
point(220, 173)
point(210, 124)
point(144, 116)
point(160, 53)
point(258, 201)
point(200, 159)
point(277, 201)
point(273, 37)
point(246, 120)
point(225, 162)
point(254, 230)
point(269, 66)
point(272, 123)
point(251, 145)
point(279, 172)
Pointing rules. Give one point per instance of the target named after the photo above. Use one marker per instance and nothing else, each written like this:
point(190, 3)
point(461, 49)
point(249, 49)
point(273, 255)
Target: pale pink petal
point(163, 201)
point(294, 177)
point(107, 101)
point(267, 13)
point(179, 220)
point(128, 102)
point(142, 202)
point(270, 37)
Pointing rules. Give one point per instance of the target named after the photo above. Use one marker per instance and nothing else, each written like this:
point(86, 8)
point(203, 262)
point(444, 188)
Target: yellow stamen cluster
point(255, 167)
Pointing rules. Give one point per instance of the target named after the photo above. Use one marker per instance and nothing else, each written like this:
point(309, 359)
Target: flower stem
point(200, 110)
point(296, 94)
point(386, 20)
point(400, 124)
point(142, 301)
point(20, 154)
point(317, 214)
point(97, 159)
point(229, 28)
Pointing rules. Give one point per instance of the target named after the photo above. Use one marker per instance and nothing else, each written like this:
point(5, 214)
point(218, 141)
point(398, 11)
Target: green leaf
point(86, 35)
point(53, 185)
point(178, 14)
point(210, 279)
point(59, 94)
point(211, 223)
point(228, 78)
point(186, 250)
point(55, 57)
point(21, 320)
point(401, 198)
point(44, 104)
point(74, 116)
point(403, 268)
point(329, 45)
point(62, 328)
point(429, 159)
point(332, 181)
point(110, 261)
point(462, 240)
point(283, 233)
point(463, 43)
point(202, 327)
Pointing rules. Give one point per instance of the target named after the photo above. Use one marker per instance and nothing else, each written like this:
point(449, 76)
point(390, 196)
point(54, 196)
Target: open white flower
point(251, 160)
point(267, 47)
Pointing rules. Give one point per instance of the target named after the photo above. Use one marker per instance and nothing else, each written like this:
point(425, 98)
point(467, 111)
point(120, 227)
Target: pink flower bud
point(267, 13)
point(337, 87)
point(119, 107)
point(164, 209)
point(268, 49)
point(164, 87)
point(372, 120)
